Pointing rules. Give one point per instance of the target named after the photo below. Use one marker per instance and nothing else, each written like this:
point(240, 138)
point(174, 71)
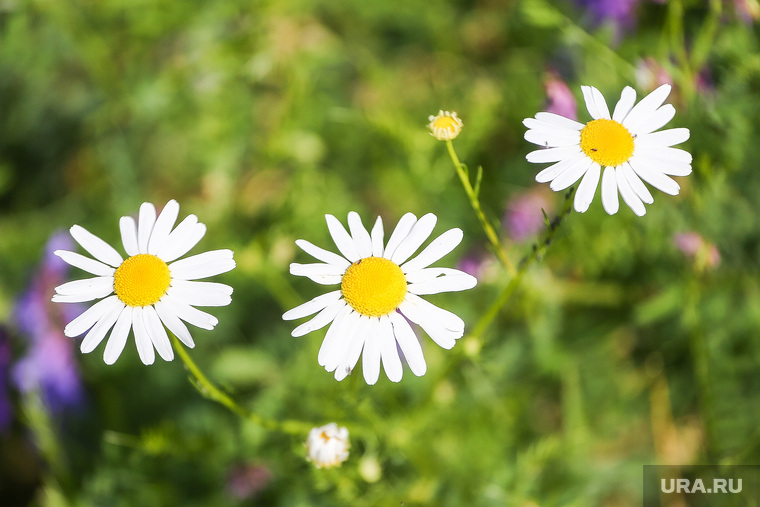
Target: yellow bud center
point(607, 142)
point(141, 280)
point(374, 286)
point(446, 123)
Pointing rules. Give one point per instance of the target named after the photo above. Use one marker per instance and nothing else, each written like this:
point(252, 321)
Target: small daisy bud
point(327, 446)
point(445, 126)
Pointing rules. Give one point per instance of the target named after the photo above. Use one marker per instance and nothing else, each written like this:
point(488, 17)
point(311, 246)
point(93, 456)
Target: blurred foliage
point(615, 351)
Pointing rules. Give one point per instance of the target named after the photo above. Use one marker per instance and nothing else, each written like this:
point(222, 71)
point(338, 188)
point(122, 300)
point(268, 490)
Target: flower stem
point(209, 391)
point(536, 253)
point(472, 195)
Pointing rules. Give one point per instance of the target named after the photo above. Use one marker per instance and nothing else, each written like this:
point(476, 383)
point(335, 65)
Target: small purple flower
point(621, 13)
point(49, 365)
point(694, 246)
point(6, 409)
point(561, 100)
point(523, 218)
point(247, 481)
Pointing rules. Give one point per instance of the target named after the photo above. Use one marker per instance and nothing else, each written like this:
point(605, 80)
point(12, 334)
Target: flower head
point(624, 143)
point(524, 218)
point(695, 247)
point(327, 446)
point(149, 289)
point(379, 286)
point(445, 125)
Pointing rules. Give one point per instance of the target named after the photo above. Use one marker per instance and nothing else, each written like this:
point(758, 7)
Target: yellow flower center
point(446, 123)
point(374, 286)
point(607, 142)
point(141, 280)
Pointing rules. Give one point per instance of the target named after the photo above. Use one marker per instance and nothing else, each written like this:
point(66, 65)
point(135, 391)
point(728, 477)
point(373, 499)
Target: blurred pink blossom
point(650, 74)
point(523, 217)
point(696, 248)
point(561, 100)
point(248, 480)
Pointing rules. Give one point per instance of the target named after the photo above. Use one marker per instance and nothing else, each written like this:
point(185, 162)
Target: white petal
point(553, 128)
point(362, 241)
point(334, 345)
point(555, 170)
point(552, 154)
point(572, 174)
point(427, 274)
point(553, 139)
point(443, 317)
point(674, 169)
point(355, 333)
point(629, 196)
point(377, 238)
point(371, 354)
point(399, 233)
point(80, 291)
point(587, 189)
point(409, 344)
point(129, 235)
point(93, 338)
point(320, 320)
point(182, 239)
point(146, 220)
point(119, 335)
point(436, 250)
point(559, 121)
point(142, 337)
point(322, 254)
point(92, 315)
point(419, 233)
point(201, 293)
point(646, 107)
point(85, 263)
point(448, 283)
point(595, 103)
point(662, 138)
point(202, 265)
point(445, 338)
point(676, 155)
point(313, 306)
point(98, 248)
point(342, 239)
point(637, 185)
point(654, 177)
point(325, 274)
point(625, 104)
point(191, 315)
point(609, 191)
point(157, 334)
point(388, 350)
point(172, 322)
point(655, 121)
point(163, 227)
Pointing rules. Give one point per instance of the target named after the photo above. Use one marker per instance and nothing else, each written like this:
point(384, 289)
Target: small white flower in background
point(148, 290)
point(327, 446)
point(625, 144)
point(379, 287)
point(445, 126)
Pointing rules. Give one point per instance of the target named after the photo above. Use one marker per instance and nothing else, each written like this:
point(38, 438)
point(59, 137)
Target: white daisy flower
point(445, 125)
point(379, 289)
point(625, 144)
point(327, 446)
point(147, 289)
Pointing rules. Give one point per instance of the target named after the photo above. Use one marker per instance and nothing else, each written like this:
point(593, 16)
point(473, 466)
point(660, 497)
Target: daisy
point(327, 446)
point(148, 290)
point(625, 144)
point(379, 289)
point(445, 125)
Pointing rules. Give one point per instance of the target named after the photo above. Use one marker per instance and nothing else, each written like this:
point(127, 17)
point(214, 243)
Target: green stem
point(209, 391)
point(537, 251)
point(472, 195)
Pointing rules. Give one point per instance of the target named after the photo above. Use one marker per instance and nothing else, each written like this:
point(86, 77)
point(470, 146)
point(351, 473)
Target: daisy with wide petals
point(380, 289)
point(625, 144)
point(149, 289)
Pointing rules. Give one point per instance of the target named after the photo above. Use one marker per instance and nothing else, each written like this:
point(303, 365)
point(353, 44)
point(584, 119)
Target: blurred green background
point(622, 347)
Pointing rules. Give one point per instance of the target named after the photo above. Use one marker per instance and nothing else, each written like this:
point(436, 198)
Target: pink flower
point(560, 99)
point(523, 218)
point(694, 246)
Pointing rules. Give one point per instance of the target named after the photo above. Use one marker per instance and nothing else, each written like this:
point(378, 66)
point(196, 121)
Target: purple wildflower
point(619, 13)
point(523, 218)
point(6, 409)
point(49, 366)
point(247, 481)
